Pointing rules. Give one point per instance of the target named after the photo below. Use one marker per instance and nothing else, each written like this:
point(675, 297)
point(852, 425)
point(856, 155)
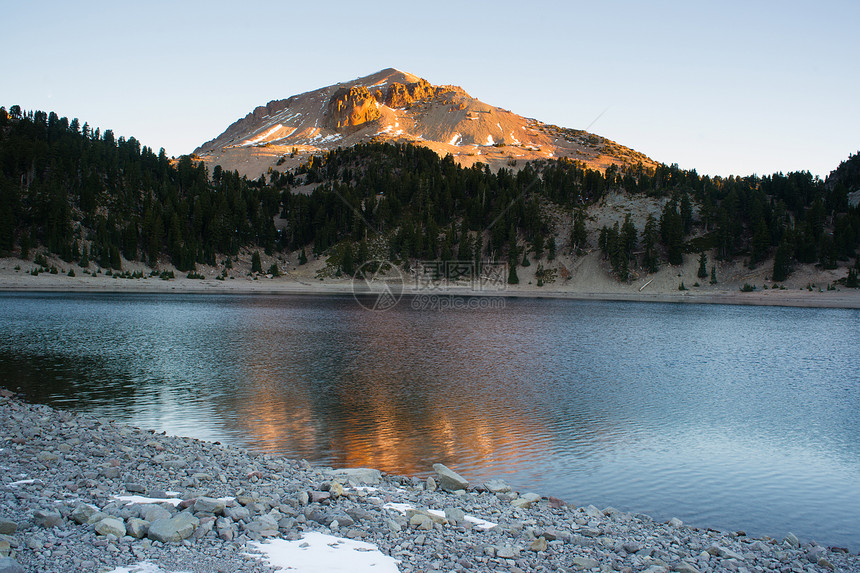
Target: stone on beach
point(449, 479)
point(173, 529)
point(358, 476)
point(111, 526)
point(9, 565)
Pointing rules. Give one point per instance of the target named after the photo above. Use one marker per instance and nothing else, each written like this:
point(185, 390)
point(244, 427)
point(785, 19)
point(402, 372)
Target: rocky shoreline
point(86, 494)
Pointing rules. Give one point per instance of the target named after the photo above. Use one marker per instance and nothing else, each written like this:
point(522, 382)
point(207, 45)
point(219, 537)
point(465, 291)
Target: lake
point(741, 418)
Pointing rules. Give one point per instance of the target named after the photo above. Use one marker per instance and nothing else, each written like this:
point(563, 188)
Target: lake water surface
point(742, 418)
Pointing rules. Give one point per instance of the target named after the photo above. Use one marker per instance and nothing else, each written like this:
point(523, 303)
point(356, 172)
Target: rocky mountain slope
point(391, 105)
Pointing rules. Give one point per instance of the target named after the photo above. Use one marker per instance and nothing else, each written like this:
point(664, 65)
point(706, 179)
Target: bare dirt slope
point(391, 105)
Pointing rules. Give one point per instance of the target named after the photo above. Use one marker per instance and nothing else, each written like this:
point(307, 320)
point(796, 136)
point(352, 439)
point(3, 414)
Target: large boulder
point(366, 476)
point(111, 526)
point(449, 479)
point(177, 528)
point(9, 565)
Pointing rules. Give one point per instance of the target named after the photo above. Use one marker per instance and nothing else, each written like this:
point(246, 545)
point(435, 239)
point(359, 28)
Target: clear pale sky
point(723, 87)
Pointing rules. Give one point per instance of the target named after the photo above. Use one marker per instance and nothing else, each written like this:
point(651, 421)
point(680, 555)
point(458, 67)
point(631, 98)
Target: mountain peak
point(393, 105)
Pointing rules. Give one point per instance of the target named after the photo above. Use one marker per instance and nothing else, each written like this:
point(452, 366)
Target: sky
point(725, 88)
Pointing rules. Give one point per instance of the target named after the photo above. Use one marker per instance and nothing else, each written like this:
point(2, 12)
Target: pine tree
point(782, 262)
point(649, 243)
point(347, 263)
point(303, 257)
point(703, 266)
point(513, 279)
point(629, 236)
point(256, 263)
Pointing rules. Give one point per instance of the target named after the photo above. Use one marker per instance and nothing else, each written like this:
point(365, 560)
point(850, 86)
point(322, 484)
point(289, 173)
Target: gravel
point(86, 494)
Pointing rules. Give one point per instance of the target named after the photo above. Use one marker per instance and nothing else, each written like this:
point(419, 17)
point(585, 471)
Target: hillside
point(74, 198)
point(395, 106)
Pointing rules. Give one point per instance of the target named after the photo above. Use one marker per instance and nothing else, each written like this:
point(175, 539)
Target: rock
point(9, 565)
point(675, 522)
point(351, 107)
point(335, 489)
point(792, 540)
point(177, 528)
point(584, 563)
point(318, 496)
point(153, 513)
point(111, 526)
point(135, 488)
point(823, 562)
point(592, 511)
point(556, 503)
point(449, 479)
point(111, 472)
point(365, 476)
point(237, 513)
point(631, 546)
point(815, 553)
point(684, 567)
point(209, 505)
point(8, 527)
point(47, 519)
point(507, 552)
point(421, 521)
point(137, 527)
point(47, 457)
point(723, 552)
point(265, 526)
point(430, 484)
point(526, 500)
point(404, 95)
point(538, 544)
point(497, 486)
point(455, 515)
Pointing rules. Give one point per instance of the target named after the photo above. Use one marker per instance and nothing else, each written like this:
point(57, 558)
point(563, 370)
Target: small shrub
point(71, 272)
point(747, 287)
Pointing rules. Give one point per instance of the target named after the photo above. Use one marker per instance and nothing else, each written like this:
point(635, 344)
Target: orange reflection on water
point(377, 410)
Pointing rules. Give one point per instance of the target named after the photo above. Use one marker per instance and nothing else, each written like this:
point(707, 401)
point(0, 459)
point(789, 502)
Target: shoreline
point(84, 493)
point(844, 298)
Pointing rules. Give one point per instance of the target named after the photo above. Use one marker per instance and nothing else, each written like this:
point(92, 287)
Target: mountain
point(395, 106)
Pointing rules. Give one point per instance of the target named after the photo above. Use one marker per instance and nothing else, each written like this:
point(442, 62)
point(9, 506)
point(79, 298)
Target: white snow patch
point(456, 139)
point(21, 482)
point(401, 507)
point(514, 139)
point(317, 552)
point(490, 140)
point(142, 567)
point(260, 138)
point(479, 523)
point(129, 499)
point(364, 488)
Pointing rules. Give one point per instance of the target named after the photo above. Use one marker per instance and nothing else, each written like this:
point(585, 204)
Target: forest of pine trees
point(88, 196)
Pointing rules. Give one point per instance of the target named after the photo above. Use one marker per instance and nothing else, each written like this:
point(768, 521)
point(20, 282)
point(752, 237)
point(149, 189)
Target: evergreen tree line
point(64, 186)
